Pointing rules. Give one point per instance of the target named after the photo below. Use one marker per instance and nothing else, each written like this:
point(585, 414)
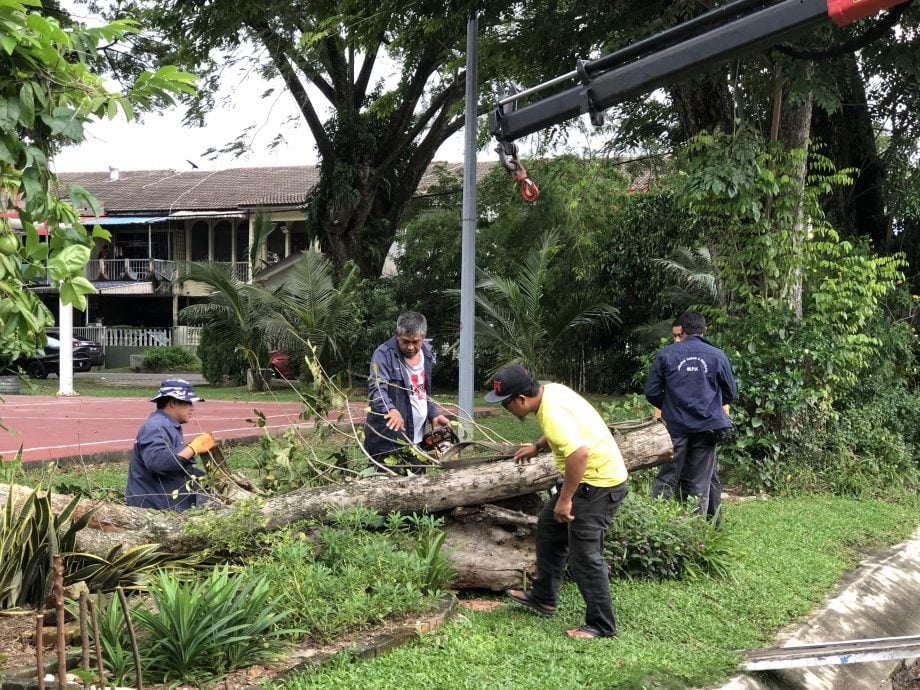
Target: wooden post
point(84, 640)
point(39, 650)
point(59, 611)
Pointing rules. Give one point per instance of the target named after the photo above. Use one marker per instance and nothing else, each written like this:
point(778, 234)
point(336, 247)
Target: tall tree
point(391, 73)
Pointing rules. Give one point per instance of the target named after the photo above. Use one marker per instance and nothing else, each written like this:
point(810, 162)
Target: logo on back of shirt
point(693, 364)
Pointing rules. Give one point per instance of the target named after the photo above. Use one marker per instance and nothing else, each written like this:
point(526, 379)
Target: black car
point(93, 350)
point(39, 366)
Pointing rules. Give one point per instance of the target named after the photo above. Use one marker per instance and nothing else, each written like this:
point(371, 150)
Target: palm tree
point(309, 313)
point(236, 310)
point(695, 274)
point(695, 284)
point(512, 318)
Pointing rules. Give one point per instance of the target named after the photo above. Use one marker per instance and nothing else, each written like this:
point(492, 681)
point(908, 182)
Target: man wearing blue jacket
point(399, 390)
point(162, 472)
point(691, 381)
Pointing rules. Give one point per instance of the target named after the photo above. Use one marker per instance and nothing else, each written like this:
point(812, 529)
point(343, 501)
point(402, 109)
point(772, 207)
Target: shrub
point(343, 576)
point(171, 358)
point(114, 640)
point(220, 359)
point(199, 630)
point(657, 539)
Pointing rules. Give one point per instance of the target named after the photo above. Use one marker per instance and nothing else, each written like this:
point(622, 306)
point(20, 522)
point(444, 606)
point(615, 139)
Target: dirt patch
point(14, 630)
point(908, 678)
point(480, 604)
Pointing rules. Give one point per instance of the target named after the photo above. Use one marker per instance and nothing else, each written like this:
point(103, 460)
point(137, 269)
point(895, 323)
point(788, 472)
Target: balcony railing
point(130, 269)
point(240, 269)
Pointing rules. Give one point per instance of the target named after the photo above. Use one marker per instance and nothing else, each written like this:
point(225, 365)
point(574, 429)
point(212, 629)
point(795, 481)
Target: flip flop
point(586, 632)
point(525, 598)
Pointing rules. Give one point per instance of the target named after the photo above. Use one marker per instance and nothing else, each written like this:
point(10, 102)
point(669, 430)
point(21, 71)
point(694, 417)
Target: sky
point(161, 142)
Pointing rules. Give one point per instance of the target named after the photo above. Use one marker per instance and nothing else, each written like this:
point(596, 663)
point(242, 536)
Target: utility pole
point(468, 236)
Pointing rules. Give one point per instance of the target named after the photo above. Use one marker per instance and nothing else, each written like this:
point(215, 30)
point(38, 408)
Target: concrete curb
point(878, 599)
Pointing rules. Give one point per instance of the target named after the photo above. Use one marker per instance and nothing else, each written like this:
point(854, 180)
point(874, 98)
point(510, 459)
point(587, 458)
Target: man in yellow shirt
point(575, 519)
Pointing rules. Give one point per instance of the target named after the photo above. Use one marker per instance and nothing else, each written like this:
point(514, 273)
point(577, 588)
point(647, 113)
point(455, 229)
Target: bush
point(343, 576)
point(193, 631)
point(657, 539)
point(171, 358)
point(220, 361)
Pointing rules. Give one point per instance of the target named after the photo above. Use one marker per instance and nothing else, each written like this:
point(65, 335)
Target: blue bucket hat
point(180, 389)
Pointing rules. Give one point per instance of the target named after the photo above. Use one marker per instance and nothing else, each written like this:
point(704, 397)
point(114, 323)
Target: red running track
point(50, 428)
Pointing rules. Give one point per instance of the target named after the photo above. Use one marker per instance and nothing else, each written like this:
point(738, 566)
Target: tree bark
point(849, 138)
point(493, 545)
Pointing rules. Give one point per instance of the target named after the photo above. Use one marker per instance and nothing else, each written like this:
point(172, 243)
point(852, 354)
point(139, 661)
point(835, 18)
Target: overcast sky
point(161, 142)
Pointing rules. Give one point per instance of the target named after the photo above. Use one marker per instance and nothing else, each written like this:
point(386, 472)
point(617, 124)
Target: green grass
point(108, 480)
point(672, 634)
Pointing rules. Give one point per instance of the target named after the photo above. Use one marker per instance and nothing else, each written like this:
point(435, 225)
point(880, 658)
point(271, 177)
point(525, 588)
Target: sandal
point(587, 632)
point(525, 598)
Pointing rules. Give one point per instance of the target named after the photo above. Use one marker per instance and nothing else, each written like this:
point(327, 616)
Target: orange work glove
point(202, 444)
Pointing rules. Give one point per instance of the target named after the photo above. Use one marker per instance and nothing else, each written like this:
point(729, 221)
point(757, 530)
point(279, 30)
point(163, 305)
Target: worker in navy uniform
point(691, 381)
point(162, 472)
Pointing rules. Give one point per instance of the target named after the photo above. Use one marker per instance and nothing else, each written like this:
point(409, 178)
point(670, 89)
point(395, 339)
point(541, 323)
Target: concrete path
point(881, 598)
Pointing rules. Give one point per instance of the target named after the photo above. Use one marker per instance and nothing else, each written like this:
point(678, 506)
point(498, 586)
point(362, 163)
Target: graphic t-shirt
point(418, 397)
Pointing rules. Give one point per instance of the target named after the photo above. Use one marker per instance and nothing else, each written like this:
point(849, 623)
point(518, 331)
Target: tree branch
point(292, 81)
point(879, 30)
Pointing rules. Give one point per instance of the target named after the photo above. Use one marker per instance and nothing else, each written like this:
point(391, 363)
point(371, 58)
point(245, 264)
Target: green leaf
point(27, 105)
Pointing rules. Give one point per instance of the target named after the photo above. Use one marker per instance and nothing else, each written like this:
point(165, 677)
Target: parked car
point(94, 351)
point(40, 365)
point(280, 364)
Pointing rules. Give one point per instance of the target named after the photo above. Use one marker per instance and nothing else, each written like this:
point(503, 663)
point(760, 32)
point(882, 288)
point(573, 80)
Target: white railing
point(127, 336)
point(118, 336)
point(130, 269)
point(94, 333)
point(190, 336)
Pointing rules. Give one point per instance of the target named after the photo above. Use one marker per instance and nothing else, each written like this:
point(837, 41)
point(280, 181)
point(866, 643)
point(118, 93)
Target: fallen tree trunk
point(437, 492)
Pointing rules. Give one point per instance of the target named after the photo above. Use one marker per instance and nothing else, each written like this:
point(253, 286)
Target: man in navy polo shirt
point(691, 381)
point(162, 472)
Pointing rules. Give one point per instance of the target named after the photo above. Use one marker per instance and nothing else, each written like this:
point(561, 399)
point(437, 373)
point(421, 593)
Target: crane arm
point(734, 29)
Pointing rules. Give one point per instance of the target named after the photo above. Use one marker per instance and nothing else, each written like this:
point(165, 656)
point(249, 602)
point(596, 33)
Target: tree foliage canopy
point(48, 91)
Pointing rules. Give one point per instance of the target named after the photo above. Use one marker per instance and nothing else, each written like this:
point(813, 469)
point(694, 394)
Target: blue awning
point(123, 220)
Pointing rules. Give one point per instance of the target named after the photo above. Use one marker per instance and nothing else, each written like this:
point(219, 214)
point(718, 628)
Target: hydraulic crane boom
point(734, 29)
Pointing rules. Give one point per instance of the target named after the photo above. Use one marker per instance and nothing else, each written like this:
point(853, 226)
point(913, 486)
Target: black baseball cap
point(509, 381)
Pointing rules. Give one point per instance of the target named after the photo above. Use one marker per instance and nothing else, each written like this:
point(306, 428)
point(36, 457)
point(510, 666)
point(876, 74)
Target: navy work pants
point(692, 472)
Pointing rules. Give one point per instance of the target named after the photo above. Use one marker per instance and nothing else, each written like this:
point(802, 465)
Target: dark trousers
point(582, 542)
point(692, 472)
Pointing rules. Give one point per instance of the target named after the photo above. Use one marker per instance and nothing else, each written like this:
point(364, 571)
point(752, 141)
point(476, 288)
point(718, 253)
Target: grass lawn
point(91, 387)
point(791, 552)
point(108, 480)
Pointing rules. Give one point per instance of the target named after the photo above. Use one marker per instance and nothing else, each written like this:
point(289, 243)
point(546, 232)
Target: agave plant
point(133, 567)
point(30, 536)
